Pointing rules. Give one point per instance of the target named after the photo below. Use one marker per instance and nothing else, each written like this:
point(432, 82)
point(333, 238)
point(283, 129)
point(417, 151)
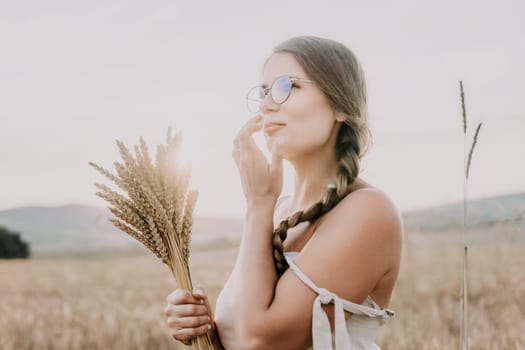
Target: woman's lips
point(271, 127)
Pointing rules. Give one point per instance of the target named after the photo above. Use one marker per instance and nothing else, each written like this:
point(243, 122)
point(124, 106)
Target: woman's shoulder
point(368, 209)
point(371, 199)
point(360, 237)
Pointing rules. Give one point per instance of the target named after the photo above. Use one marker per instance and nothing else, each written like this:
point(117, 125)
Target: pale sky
point(76, 75)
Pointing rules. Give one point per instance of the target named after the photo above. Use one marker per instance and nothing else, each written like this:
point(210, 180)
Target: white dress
point(356, 333)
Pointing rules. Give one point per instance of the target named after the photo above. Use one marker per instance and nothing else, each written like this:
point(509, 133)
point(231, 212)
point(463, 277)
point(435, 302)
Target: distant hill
point(81, 227)
point(480, 212)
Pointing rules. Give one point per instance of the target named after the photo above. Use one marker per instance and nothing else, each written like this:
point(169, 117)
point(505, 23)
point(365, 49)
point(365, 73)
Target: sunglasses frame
point(268, 91)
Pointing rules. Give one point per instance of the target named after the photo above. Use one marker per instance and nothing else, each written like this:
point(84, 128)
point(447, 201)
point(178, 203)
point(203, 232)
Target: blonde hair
point(339, 75)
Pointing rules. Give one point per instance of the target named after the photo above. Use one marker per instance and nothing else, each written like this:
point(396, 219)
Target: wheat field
point(116, 302)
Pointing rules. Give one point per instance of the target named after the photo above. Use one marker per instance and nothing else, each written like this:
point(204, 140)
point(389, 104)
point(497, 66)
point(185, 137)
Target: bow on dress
point(321, 333)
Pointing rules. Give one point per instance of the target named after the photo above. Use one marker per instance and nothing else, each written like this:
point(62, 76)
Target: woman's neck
point(311, 181)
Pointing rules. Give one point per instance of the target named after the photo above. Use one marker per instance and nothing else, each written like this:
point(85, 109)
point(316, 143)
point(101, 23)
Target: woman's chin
point(270, 143)
point(276, 147)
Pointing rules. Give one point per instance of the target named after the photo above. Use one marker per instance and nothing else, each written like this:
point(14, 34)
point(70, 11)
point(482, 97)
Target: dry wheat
point(158, 211)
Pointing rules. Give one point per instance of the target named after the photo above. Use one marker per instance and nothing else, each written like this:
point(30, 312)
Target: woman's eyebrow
point(264, 85)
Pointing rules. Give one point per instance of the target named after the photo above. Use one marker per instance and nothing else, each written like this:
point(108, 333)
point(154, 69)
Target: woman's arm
point(256, 272)
point(348, 254)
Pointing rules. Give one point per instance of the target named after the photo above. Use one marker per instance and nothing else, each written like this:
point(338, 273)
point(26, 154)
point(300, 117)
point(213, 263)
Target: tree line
point(11, 245)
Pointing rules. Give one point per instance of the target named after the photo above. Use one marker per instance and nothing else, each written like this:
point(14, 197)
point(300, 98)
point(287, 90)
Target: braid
point(311, 214)
point(348, 155)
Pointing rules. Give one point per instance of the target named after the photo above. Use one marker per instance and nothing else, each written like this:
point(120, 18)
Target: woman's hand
point(189, 314)
point(261, 181)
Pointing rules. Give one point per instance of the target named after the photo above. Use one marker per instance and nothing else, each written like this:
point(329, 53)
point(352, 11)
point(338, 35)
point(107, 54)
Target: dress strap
point(321, 333)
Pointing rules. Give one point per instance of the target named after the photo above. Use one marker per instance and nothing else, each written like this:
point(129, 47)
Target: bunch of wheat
point(158, 208)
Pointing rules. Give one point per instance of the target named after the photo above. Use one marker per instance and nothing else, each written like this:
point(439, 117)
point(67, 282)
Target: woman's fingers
point(182, 296)
point(182, 303)
point(252, 125)
point(188, 322)
point(201, 295)
point(184, 334)
point(244, 136)
point(236, 155)
point(186, 310)
point(189, 314)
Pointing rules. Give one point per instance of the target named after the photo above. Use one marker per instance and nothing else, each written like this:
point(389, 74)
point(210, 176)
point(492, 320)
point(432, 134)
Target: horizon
point(240, 216)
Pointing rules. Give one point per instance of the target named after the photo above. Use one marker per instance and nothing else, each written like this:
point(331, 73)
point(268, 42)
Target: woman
point(315, 269)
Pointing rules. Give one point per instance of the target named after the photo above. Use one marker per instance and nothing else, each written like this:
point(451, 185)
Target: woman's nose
point(267, 105)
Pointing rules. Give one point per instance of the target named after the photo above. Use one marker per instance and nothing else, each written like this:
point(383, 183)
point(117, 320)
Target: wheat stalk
point(158, 208)
point(463, 324)
point(474, 141)
point(463, 109)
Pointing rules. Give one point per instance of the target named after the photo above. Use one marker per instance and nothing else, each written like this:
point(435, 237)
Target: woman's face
point(309, 120)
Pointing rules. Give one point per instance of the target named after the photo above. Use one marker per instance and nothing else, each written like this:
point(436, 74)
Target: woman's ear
point(340, 117)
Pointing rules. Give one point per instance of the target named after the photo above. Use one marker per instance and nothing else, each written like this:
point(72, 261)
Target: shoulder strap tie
point(321, 333)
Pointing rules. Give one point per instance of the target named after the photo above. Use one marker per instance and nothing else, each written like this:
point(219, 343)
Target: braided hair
point(340, 77)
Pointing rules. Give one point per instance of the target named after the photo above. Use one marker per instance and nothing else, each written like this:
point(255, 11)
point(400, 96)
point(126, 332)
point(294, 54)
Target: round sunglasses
point(279, 92)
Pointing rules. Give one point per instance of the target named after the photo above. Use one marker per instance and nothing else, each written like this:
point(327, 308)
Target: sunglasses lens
point(254, 98)
point(281, 89)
